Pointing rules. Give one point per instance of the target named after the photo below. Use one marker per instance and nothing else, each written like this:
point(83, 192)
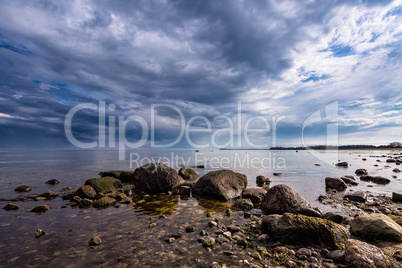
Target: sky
point(278, 64)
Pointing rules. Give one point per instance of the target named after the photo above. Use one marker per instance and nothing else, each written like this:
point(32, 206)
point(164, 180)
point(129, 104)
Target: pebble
point(11, 207)
point(190, 229)
point(94, 241)
point(39, 233)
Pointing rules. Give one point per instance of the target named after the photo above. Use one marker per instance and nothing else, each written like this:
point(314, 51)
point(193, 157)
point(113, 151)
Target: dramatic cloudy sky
point(279, 58)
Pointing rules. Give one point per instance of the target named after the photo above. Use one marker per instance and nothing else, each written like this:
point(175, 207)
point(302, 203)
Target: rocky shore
point(260, 227)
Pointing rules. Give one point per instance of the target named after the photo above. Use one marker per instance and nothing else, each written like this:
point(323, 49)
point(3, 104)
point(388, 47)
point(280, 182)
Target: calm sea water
point(125, 230)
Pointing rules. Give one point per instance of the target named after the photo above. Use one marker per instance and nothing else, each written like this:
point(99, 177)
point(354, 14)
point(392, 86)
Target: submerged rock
point(188, 174)
point(154, 178)
point(11, 207)
point(40, 209)
point(376, 226)
point(221, 184)
point(94, 241)
point(359, 254)
point(104, 202)
point(335, 183)
point(361, 172)
point(39, 233)
point(342, 164)
point(104, 184)
point(281, 199)
point(52, 182)
point(375, 179)
point(299, 229)
point(255, 194)
point(23, 188)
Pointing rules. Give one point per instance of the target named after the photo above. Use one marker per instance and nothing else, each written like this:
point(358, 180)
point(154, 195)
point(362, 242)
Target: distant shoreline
point(320, 147)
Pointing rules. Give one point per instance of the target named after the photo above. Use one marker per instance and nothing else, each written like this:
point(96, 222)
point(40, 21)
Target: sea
point(128, 235)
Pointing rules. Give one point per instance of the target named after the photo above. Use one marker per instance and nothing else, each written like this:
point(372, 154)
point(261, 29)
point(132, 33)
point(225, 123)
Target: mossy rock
point(296, 229)
point(188, 174)
point(122, 175)
point(104, 184)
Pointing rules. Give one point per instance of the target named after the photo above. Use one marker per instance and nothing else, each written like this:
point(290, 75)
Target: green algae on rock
point(104, 184)
point(299, 229)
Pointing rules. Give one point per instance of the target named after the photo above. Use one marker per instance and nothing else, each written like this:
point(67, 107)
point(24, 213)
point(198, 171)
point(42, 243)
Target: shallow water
point(125, 230)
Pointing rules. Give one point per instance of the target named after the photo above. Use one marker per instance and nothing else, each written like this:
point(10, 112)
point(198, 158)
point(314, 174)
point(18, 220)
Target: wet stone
point(94, 241)
point(39, 233)
point(23, 188)
point(190, 229)
point(40, 209)
point(11, 207)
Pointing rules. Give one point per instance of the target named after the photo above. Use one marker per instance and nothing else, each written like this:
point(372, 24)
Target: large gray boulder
point(335, 183)
point(296, 229)
point(359, 254)
point(221, 184)
point(281, 199)
point(376, 226)
point(154, 178)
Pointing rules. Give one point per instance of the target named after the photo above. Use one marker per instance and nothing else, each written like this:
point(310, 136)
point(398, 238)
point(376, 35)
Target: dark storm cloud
point(202, 56)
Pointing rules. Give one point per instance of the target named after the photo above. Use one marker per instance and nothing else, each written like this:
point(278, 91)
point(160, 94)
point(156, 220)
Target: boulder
point(11, 207)
point(281, 199)
point(361, 172)
point(154, 178)
point(52, 182)
point(396, 197)
point(375, 179)
point(350, 181)
point(335, 183)
point(104, 202)
point(104, 184)
point(255, 194)
point(40, 209)
point(342, 164)
point(188, 174)
point(376, 227)
point(23, 188)
point(221, 184)
point(359, 254)
point(357, 197)
point(123, 176)
point(86, 191)
point(303, 230)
